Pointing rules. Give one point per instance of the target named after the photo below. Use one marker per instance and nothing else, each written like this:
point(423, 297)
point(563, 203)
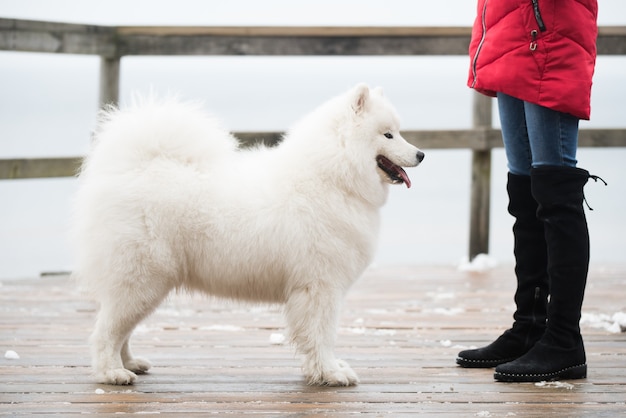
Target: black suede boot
point(531, 295)
point(560, 353)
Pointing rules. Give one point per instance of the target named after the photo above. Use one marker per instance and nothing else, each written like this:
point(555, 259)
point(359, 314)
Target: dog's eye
point(388, 135)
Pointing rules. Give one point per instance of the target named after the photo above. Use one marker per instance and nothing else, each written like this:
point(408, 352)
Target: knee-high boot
point(531, 295)
point(560, 353)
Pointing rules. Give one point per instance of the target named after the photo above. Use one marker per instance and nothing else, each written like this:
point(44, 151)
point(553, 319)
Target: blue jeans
point(535, 135)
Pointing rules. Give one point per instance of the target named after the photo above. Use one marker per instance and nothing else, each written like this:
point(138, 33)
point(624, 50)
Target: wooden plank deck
point(400, 330)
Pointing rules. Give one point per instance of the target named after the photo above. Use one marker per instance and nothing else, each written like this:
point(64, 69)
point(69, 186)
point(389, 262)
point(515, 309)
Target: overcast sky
point(265, 12)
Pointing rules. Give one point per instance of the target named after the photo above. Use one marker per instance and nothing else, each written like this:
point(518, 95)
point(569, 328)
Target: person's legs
point(552, 137)
point(557, 186)
point(515, 136)
point(536, 136)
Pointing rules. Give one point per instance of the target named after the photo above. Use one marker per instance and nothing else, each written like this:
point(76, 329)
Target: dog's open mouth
point(396, 174)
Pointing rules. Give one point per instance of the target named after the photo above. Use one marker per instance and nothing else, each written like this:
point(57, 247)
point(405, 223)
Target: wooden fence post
point(109, 80)
point(481, 181)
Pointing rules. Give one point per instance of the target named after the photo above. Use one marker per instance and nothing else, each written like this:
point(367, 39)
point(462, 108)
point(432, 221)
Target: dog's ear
point(360, 96)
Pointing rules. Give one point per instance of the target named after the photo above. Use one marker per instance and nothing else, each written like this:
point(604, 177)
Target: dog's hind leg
point(120, 312)
point(312, 315)
point(137, 365)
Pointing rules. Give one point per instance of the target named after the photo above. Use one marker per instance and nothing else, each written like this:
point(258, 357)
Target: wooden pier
point(401, 329)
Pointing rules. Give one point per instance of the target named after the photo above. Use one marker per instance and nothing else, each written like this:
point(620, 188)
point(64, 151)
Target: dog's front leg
point(312, 314)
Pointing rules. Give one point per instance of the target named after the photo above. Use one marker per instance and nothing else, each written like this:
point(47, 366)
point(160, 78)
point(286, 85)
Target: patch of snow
point(11, 355)
point(480, 264)
point(100, 391)
point(615, 323)
point(277, 339)
point(143, 329)
point(556, 384)
point(445, 343)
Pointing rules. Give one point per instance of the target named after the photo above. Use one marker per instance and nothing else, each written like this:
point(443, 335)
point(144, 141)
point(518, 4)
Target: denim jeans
point(535, 135)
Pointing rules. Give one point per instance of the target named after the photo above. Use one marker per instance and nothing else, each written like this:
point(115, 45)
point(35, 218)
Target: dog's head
point(378, 123)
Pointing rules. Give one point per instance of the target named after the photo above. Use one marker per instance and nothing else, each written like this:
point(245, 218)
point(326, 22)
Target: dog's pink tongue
point(405, 177)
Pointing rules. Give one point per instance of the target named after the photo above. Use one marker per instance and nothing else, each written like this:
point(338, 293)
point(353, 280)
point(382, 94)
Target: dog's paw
point(341, 375)
point(138, 365)
point(116, 377)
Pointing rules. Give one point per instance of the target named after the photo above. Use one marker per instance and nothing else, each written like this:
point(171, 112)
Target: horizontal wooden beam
point(611, 40)
point(479, 139)
point(291, 31)
point(485, 139)
point(30, 168)
point(117, 41)
point(293, 46)
point(599, 138)
point(474, 139)
point(64, 38)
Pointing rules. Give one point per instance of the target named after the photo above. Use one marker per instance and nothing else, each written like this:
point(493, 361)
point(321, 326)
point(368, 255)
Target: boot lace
point(594, 178)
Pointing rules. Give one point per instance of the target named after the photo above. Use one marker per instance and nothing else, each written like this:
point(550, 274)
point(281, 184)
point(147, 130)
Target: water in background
point(48, 108)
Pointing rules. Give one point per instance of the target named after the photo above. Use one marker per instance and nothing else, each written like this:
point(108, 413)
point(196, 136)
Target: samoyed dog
point(167, 200)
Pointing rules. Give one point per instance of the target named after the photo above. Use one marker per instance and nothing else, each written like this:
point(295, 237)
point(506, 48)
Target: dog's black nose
point(420, 156)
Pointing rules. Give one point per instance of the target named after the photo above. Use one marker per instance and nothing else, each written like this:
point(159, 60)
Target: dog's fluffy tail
point(152, 128)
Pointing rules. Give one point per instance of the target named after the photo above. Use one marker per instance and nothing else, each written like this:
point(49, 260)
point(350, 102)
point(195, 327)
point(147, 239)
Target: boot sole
point(574, 372)
point(481, 364)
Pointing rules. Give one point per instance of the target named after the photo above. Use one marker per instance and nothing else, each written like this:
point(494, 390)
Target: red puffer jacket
point(539, 51)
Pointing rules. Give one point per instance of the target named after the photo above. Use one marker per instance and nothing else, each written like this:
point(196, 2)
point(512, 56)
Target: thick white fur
point(167, 200)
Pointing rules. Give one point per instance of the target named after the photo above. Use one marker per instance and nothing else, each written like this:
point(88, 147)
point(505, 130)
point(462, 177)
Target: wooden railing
point(111, 43)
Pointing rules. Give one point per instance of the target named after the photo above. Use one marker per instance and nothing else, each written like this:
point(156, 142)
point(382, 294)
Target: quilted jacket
point(539, 51)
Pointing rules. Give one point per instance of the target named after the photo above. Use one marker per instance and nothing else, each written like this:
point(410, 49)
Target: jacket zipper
point(538, 18)
point(480, 44)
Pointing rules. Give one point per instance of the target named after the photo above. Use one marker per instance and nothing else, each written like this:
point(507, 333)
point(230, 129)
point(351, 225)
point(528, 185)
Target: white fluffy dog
point(167, 201)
